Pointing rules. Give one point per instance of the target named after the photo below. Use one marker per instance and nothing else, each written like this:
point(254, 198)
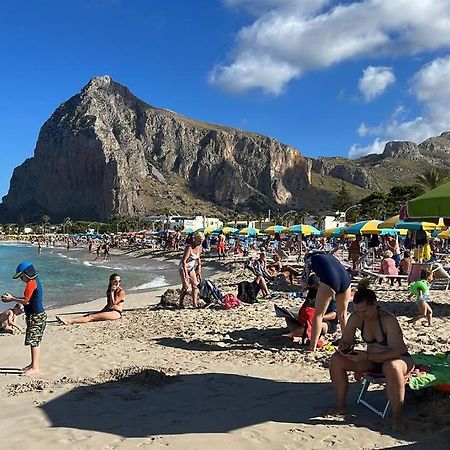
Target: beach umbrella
point(364, 227)
point(393, 231)
point(249, 231)
point(188, 230)
point(276, 229)
point(307, 230)
point(427, 226)
point(334, 232)
point(390, 223)
point(432, 204)
point(229, 230)
point(443, 234)
point(206, 230)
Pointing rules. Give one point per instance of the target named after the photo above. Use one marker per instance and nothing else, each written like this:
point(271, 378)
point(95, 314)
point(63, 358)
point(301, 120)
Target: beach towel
point(436, 370)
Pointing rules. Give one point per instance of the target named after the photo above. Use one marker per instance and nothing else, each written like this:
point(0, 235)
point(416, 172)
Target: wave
point(156, 282)
point(87, 263)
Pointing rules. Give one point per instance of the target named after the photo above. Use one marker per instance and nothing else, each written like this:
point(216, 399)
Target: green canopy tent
point(431, 205)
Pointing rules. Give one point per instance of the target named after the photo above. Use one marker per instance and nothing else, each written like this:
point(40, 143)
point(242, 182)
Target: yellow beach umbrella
point(390, 223)
point(276, 229)
point(444, 234)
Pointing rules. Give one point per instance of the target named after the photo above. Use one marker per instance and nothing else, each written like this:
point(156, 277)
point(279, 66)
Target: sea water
point(73, 276)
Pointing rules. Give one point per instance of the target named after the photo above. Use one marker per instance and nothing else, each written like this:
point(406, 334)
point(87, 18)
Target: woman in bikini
point(115, 297)
point(386, 353)
point(190, 269)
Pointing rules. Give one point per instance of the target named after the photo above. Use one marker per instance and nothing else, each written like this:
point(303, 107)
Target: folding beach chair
point(367, 379)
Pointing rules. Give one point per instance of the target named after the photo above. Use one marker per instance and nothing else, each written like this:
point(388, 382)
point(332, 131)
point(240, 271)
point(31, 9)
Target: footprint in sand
point(254, 436)
point(330, 441)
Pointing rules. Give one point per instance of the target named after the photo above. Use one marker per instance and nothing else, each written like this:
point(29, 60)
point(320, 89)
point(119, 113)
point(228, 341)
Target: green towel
point(439, 371)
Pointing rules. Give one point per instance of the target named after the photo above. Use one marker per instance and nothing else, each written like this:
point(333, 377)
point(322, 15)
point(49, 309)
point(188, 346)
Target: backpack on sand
point(209, 292)
point(247, 292)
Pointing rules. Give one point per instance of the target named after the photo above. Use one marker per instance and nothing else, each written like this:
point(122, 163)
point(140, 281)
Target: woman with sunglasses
point(115, 297)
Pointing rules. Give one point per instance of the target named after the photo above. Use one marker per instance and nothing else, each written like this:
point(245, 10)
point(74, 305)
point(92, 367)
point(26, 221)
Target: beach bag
point(247, 292)
point(230, 301)
point(305, 317)
point(209, 292)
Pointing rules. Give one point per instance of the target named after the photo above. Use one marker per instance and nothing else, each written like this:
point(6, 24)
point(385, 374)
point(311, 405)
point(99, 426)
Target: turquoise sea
point(72, 276)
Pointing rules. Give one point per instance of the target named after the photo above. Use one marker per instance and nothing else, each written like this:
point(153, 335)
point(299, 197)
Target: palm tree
point(45, 221)
point(432, 178)
point(66, 224)
point(319, 221)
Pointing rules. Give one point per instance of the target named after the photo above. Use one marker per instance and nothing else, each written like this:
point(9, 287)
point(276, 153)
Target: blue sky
point(331, 78)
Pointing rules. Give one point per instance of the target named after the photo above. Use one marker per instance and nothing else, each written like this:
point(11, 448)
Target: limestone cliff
point(105, 152)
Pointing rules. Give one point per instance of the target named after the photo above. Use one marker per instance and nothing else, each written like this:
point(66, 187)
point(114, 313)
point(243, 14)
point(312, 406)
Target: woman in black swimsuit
point(386, 353)
point(334, 282)
point(115, 296)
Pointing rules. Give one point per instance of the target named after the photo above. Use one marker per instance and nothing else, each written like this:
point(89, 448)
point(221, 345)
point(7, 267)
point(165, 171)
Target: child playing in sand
point(421, 289)
point(8, 319)
point(34, 311)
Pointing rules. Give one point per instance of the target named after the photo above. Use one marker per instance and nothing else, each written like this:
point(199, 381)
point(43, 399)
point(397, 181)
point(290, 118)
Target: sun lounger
point(380, 276)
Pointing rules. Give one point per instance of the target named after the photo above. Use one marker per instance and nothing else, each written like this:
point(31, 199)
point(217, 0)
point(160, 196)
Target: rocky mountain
point(104, 152)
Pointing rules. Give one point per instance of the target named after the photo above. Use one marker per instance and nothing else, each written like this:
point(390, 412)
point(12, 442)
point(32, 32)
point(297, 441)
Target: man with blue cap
point(34, 311)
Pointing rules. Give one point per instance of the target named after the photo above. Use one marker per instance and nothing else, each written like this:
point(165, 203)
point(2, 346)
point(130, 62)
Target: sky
point(329, 77)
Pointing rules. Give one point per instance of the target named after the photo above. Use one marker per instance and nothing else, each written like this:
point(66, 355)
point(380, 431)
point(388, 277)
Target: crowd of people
point(322, 280)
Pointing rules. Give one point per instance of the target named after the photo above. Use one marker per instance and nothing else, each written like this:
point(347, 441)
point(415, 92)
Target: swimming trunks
point(35, 328)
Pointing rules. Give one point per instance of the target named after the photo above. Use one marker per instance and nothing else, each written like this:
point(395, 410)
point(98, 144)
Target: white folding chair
point(362, 398)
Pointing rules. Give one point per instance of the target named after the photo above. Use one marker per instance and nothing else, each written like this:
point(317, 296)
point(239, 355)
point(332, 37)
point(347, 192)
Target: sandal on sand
point(61, 320)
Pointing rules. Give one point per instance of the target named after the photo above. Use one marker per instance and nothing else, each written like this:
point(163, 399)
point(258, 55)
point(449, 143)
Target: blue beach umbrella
point(427, 226)
point(306, 230)
point(249, 231)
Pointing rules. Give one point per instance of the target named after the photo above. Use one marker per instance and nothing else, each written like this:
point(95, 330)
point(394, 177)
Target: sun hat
point(26, 268)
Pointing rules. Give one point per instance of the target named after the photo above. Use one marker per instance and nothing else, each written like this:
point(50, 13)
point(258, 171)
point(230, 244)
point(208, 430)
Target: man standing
point(34, 311)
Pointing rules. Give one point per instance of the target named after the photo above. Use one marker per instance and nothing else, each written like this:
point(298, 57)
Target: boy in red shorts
point(34, 311)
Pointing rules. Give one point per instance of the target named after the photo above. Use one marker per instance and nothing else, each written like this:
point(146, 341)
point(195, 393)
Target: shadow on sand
point(196, 403)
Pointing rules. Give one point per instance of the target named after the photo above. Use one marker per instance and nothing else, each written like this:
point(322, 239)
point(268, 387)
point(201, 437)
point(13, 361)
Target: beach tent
point(276, 229)
point(307, 230)
point(364, 227)
point(432, 204)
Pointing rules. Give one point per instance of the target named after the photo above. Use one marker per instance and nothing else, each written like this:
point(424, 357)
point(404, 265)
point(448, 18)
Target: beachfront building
point(183, 222)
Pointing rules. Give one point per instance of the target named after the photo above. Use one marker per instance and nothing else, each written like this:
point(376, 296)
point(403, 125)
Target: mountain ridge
point(105, 152)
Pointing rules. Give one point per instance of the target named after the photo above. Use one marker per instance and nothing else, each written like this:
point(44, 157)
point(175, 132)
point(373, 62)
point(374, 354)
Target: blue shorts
point(425, 298)
point(331, 272)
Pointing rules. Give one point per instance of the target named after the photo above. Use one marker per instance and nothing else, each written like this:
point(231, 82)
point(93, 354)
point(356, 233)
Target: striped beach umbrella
point(307, 230)
point(390, 223)
point(249, 231)
point(427, 226)
point(276, 229)
point(364, 227)
point(334, 232)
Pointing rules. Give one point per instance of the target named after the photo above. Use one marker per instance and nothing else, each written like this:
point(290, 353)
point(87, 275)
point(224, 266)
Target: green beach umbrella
point(432, 204)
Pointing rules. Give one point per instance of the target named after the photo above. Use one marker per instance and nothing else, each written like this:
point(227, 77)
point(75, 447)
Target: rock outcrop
point(96, 153)
point(344, 170)
point(402, 149)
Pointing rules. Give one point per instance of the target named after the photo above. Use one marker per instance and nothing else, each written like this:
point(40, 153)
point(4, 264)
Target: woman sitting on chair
point(386, 354)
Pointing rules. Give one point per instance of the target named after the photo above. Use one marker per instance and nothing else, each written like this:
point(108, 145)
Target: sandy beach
point(190, 379)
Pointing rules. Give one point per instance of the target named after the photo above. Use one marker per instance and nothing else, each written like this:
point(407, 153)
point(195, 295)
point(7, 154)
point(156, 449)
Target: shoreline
point(196, 378)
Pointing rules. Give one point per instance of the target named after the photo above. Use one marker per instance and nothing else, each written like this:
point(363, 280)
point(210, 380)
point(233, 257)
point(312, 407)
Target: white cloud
point(296, 36)
point(431, 88)
point(375, 81)
point(357, 151)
